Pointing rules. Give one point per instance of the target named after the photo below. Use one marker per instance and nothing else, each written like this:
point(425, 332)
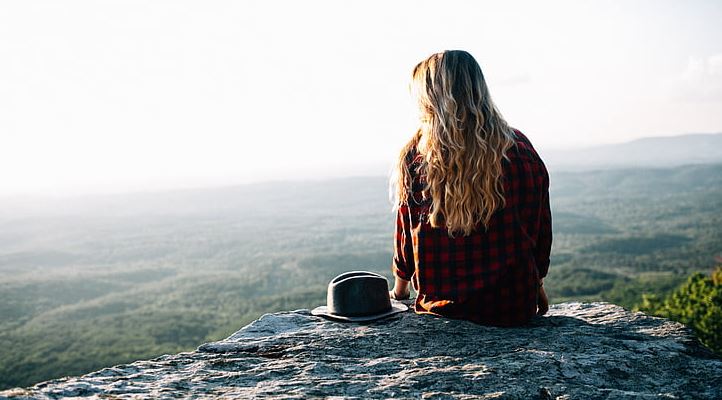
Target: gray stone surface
point(578, 351)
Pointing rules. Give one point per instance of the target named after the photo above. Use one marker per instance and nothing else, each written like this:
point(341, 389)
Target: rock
point(595, 350)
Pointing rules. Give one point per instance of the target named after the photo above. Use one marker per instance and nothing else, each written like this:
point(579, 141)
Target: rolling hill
point(666, 151)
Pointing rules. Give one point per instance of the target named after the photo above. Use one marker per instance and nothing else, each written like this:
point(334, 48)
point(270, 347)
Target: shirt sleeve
point(544, 242)
point(403, 260)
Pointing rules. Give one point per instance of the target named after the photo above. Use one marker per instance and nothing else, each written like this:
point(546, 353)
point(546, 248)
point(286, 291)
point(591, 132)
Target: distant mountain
point(647, 152)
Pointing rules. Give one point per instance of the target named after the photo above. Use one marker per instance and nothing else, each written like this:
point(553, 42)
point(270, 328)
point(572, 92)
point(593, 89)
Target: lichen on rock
point(594, 350)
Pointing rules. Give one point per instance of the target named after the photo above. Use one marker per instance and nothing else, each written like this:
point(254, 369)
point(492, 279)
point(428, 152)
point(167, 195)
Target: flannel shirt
point(492, 275)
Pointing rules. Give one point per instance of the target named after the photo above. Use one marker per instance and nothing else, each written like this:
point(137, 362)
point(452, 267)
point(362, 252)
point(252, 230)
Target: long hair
point(462, 138)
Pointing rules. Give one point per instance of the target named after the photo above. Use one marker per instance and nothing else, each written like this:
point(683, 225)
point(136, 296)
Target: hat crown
point(358, 293)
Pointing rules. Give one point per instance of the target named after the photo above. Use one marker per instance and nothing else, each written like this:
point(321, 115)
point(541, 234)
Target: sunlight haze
point(100, 96)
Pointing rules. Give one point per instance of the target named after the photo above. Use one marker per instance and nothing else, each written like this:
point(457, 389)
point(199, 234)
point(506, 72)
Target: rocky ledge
point(577, 351)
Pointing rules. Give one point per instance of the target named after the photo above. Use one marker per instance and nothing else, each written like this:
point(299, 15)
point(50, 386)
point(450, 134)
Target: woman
point(473, 226)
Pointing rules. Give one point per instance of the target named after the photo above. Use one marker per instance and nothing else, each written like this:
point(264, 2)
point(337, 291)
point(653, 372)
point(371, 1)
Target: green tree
point(697, 304)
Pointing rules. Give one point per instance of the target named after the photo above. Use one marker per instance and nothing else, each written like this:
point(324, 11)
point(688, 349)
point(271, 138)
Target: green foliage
point(697, 304)
point(628, 292)
point(571, 223)
point(638, 245)
point(571, 282)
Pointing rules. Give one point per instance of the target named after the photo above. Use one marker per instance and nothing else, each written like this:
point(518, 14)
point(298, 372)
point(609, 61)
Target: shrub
point(697, 304)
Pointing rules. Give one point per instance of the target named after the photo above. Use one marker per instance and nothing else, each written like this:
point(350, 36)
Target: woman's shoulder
point(520, 138)
point(412, 153)
point(414, 160)
point(417, 176)
point(523, 147)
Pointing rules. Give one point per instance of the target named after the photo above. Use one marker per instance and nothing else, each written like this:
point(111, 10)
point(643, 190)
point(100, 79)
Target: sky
point(112, 96)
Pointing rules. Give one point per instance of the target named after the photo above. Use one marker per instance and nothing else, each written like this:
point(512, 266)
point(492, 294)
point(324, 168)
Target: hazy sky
point(114, 95)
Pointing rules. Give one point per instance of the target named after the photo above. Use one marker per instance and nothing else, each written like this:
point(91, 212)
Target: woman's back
point(492, 275)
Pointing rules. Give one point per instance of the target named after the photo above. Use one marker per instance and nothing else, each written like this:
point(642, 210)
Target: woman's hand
point(542, 301)
point(401, 290)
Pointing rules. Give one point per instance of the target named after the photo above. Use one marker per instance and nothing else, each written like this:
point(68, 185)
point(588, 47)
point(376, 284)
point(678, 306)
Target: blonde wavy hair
point(462, 138)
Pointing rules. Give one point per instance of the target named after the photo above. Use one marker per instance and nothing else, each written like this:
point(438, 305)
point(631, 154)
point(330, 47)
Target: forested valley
point(90, 282)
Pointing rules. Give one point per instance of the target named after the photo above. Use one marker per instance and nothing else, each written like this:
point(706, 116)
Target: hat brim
point(396, 307)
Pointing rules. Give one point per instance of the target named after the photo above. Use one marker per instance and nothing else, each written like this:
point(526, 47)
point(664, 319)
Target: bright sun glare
point(101, 96)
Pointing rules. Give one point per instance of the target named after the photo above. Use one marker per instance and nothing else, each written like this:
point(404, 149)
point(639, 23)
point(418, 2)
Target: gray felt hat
point(358, 296)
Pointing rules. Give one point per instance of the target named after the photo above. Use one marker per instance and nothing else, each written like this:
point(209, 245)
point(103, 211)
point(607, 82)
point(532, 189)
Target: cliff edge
point(578, 350)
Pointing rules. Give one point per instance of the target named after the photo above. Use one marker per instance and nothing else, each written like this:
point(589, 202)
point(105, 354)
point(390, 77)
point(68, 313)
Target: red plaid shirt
point(491, 276)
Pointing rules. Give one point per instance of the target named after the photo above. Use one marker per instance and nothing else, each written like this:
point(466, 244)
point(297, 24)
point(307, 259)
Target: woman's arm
point(544, 240)
point(542, 301)
point(401, 289)
point(403, 262)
